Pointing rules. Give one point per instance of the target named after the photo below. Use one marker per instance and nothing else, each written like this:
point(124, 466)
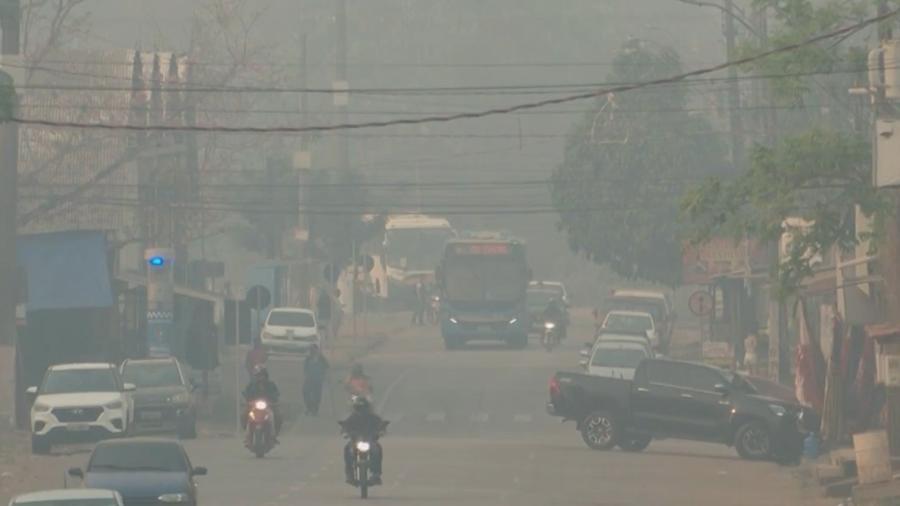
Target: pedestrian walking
point(751, 360)
point(315, 368)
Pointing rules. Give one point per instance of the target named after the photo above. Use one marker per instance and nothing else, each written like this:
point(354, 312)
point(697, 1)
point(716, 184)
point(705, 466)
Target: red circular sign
point(701, 303)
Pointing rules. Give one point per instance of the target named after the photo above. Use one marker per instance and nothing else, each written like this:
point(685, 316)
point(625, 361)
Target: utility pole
point(734, 92)
point(341, 81)
point(10, 19)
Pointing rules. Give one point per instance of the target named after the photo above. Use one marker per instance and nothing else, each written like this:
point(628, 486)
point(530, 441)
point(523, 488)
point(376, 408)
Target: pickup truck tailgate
point(574, 395)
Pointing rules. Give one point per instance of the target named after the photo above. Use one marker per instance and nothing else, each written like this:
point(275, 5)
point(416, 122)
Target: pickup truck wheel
point(600, 431)
point(753, 441)
point(635, 444)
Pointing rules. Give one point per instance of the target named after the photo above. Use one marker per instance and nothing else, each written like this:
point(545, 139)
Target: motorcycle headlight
point(173, 498)
point(40, 407)
point(549, 325)
point(261, 405)
point(363, 446)
point(113, 405)
point(453, 320)
point(777, 410)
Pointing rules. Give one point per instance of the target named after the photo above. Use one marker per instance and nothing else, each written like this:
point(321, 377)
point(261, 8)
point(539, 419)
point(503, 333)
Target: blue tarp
point(65, 270)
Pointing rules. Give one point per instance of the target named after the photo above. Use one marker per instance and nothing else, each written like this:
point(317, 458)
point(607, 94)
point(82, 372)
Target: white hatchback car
point(69, 497)
point(291, 330)
point(616, 359)
point(79, 402)
point(632, 322)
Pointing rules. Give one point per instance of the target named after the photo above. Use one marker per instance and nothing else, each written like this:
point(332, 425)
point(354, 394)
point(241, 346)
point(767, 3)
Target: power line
point(476, 114)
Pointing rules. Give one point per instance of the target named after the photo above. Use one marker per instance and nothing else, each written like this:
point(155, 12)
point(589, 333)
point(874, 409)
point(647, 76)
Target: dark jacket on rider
point(365, 423)
point(262, 390)
point(554, 313)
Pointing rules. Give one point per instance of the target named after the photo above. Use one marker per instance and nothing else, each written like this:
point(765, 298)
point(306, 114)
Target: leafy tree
point(618, 187)
point(816, 173)
point(819, 176)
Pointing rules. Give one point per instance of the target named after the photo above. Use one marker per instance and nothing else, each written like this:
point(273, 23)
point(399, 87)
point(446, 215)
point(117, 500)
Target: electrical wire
point(503, 110)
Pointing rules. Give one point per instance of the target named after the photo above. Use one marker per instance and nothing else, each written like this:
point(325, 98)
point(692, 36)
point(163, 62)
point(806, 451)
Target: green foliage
point(819, 176)
point(618, 187)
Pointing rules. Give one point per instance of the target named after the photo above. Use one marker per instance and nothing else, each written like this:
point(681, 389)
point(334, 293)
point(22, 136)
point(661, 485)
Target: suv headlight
point(40, 407)
point(777, 410)
point(113, 405)
point(173, 498)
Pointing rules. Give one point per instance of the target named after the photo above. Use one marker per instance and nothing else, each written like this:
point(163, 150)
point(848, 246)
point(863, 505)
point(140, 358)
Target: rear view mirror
point(129, 387)
point(199, 471)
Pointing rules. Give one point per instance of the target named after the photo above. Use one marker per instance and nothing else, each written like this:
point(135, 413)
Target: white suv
point(79, 402)
point(290, 329)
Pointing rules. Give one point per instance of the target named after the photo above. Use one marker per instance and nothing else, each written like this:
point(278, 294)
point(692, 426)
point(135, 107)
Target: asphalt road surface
point(469, 428)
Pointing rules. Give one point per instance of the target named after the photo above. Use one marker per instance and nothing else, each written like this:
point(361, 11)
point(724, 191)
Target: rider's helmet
point(360, 403)
point(260, 372)
point(356, 370)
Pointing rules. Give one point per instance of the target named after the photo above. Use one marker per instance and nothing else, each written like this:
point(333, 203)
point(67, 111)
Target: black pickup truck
point(682, 400)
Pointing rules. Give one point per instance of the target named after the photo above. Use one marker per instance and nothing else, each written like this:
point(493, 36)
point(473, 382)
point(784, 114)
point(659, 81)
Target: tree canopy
point(626, 163)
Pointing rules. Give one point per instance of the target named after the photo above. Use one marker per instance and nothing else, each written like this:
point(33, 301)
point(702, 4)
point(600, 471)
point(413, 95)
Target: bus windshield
point(415, 249)
point(485, 278)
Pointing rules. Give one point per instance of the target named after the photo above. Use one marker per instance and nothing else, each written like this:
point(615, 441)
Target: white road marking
point(522, 418)
point(479, 417)
point(436, 417)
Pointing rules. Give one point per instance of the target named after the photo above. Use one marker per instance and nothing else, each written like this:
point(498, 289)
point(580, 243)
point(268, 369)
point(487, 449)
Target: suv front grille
point(77, 414)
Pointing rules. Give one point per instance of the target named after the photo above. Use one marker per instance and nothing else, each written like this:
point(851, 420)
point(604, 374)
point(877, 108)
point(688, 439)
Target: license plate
point(151, 415)
point(78, 427)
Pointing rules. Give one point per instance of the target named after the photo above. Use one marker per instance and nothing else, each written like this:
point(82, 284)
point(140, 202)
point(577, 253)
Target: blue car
point(144, 471)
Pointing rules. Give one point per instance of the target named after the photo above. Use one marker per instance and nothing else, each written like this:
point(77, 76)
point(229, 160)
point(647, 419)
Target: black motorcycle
point(362, 448)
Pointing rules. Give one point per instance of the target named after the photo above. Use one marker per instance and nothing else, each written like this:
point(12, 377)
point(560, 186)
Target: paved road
point(469, 428)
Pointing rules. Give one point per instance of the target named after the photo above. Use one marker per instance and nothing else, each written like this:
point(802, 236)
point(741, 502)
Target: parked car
point(69, 497)
point(164, 400)
point(616, 359)
point(657, 303)
point(143, 471)
point(290, 330)
point(632, 322)
point(681, 400)
point(80, 402)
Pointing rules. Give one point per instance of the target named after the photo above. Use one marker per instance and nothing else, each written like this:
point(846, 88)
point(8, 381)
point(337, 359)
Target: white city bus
point(410, 250)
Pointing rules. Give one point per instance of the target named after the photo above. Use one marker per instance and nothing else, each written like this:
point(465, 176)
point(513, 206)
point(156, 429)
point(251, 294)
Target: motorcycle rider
point(363, 423)
point(261, 387)
point(556, 313)
point(358, 384)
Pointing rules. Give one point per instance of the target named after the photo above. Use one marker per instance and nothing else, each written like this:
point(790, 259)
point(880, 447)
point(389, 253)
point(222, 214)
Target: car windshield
point(151, 374)
point(625, 358)
point(540, 298)
point(291, 319)
point(109, 501)
point(80, 380)
point(628, 323)
point(138, 456)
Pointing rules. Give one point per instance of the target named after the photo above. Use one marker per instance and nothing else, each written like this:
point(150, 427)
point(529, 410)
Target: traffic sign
point(258, 297)
point(701, 303)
